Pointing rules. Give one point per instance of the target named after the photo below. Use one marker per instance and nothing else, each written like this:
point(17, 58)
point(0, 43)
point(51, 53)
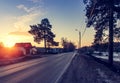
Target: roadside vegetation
point(104, 16)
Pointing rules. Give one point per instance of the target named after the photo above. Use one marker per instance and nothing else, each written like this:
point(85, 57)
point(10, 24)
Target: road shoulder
point(84, 69)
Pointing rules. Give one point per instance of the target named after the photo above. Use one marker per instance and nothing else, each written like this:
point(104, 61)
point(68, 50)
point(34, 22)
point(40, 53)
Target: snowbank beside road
point(116, 56)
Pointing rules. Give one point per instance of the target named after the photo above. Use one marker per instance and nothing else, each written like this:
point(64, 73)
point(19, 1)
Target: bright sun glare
point(9, 44)
point(9, 41)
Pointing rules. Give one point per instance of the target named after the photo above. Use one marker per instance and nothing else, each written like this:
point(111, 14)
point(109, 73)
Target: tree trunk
point(45, 45)
point(111, 33)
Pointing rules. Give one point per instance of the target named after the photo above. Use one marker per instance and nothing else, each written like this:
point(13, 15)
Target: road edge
point(65, 69)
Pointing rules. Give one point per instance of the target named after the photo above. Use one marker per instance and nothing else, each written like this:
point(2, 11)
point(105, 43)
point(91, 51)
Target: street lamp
point(79, 45)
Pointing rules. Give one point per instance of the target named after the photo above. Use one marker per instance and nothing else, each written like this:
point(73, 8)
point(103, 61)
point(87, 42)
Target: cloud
point(29, 10)
point(21, 6)
point(18, 33)
point(36, 1)
point(31, 14)
point(23, 22)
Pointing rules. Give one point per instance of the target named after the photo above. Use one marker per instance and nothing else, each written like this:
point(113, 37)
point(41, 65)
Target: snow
point(116, 56)
point(103, 76)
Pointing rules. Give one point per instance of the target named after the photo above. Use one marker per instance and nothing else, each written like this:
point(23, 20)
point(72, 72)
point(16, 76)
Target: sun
point(9, 41)
point(9, 44)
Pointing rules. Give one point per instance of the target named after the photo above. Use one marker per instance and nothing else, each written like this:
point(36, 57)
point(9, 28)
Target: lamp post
point(79, 45)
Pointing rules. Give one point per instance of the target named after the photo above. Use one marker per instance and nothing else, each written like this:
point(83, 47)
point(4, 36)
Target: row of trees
point(103, 15)
point(67, 45)
point(42, 32)
point(104, 47)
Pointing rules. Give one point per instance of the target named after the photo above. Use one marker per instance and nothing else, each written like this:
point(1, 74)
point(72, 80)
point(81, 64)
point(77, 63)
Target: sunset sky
point(64, 15)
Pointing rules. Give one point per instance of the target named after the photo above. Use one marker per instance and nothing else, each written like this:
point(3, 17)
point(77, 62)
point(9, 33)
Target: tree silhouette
point(103, 15)
point(42, 32)
point(67, 46)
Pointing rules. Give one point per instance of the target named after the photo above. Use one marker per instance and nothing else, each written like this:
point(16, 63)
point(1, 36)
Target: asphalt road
point(41, 70)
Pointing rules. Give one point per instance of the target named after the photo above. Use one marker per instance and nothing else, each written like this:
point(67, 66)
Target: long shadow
point(115, 67)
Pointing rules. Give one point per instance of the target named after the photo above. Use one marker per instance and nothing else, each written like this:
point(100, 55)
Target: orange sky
point(11, 38)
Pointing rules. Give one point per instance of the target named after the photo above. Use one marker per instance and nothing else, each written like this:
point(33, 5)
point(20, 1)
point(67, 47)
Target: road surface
point(41, 70)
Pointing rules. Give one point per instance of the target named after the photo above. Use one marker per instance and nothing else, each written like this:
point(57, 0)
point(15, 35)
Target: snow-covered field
point(104, 55)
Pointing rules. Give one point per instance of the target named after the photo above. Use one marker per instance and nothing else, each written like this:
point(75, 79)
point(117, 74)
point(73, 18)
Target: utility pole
point(79, 44)
point(111, 5)
point(79, 39)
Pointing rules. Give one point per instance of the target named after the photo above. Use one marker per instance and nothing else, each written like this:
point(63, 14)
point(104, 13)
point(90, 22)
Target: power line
point(90, 16)
point(93, 8)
